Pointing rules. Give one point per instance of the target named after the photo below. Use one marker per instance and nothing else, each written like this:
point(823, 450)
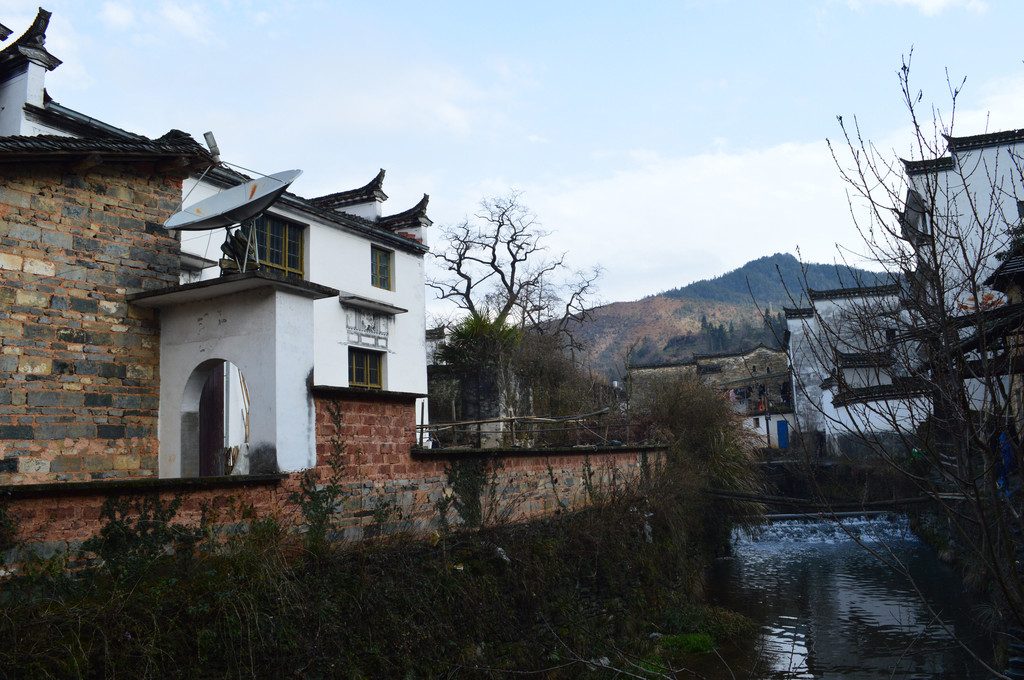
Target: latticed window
point(280, 245)
point(365, 369)
point(380, 268)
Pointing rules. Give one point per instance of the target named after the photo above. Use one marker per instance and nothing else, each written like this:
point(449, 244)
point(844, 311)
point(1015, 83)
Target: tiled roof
point(989, 139)
point(798, 312)
point(863, 359)
point(74, 123)
point(228, 177)
point(414, 217)
point(739, 353)
point(174, 143)
point(990, 325)
point(854, 291)
point(929, 165)
point(1010, 269)
point(371, 192)
point(955, 144)
point(901, 388)
point(666, 364)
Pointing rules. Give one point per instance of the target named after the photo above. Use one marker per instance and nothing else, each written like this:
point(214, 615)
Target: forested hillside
point(779, 280)
point(733, 312)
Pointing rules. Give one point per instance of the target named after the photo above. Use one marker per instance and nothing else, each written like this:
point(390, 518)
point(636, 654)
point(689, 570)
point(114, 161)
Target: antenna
point(212, 143)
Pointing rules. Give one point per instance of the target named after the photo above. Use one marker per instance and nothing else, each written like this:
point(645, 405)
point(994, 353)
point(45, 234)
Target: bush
point(548, 596)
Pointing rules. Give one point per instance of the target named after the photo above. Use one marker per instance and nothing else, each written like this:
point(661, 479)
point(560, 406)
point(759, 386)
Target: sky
point(666, 142)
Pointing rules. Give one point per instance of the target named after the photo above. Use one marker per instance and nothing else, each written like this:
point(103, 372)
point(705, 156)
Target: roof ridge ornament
point(415, 216)
point(372, 191)
point(31, 44)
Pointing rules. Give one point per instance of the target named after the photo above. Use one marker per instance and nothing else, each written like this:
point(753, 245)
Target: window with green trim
point(380, 268)
point(280, 245)
point(365, 369)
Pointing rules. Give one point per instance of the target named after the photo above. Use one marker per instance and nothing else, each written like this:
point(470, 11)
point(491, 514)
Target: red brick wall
point(70, 516)
point(79, 367)
point(375, 437)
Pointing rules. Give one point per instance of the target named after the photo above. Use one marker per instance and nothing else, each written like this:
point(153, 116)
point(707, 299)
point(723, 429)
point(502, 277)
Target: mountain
point(732, 312)
point(777, 279)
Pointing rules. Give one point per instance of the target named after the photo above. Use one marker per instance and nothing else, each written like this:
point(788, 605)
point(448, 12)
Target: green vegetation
point(614, 584)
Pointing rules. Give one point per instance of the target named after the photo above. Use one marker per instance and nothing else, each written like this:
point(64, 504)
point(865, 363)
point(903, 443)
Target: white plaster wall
point(235, 407)
point(864, 419)
point(369, 211)
point(12, 99)
point(204, 243)
point(807, 374)
point(975, 203)
point(767, 429)
point(15, 92)
point(267, 335)
point(340, 259)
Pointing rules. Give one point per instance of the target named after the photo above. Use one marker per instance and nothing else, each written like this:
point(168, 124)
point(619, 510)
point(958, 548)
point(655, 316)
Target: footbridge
point(790, 507)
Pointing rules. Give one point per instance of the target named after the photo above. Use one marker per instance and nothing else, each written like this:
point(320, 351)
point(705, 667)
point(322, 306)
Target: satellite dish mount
point(241, 248)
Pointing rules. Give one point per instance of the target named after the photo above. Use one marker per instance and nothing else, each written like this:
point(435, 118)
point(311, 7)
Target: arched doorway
point(215, 421)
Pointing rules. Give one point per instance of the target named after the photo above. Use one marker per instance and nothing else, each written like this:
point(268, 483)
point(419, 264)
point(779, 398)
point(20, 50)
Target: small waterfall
point(887, 528)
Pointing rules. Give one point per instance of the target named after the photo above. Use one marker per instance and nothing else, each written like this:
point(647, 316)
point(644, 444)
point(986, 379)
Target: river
point(828, 608)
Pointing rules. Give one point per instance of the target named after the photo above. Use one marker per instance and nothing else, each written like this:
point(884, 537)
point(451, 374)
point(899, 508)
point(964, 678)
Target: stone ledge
point(433, 454)
point(127, 486)
point(364, 394)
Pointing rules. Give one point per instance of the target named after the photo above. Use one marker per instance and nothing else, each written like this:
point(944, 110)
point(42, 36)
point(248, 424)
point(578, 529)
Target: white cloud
point(117, 15)
point(664, 222)
point(926, 7)
point(670, 221)
point(191, 21)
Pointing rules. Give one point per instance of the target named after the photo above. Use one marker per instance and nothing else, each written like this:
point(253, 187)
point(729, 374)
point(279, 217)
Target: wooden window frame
point(377, 280)
point(362, 364)
point(293, 245)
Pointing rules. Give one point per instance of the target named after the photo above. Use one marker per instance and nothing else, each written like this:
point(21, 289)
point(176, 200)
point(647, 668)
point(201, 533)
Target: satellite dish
point(233, 206)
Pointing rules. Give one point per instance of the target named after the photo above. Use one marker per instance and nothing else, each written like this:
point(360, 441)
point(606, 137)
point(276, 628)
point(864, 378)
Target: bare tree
point(920, 373)
point(513, 346)
point(497, 267)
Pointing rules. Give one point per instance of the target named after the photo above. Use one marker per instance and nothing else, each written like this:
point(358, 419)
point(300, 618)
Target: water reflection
point(831, 609)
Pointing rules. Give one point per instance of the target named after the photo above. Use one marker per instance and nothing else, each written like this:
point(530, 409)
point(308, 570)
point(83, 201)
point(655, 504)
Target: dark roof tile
point(174, 143)
point(371, 192)
point(413, 218)
point(855, 291)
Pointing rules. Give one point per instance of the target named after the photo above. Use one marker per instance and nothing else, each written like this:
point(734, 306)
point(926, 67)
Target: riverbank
point(616, 583)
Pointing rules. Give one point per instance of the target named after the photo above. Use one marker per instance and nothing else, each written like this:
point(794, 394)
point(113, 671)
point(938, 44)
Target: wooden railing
point(600, 428)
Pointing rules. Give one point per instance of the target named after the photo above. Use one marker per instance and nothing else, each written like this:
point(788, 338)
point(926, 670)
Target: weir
point(829, 605)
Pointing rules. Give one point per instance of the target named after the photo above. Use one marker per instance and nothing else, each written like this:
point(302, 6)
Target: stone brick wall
point(79, 367)
point(739, 370)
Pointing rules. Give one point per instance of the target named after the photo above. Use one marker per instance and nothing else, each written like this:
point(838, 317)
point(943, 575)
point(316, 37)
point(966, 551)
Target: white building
point(853, 378)
point(958, 211)
point(365, 331)
point(335, 310)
